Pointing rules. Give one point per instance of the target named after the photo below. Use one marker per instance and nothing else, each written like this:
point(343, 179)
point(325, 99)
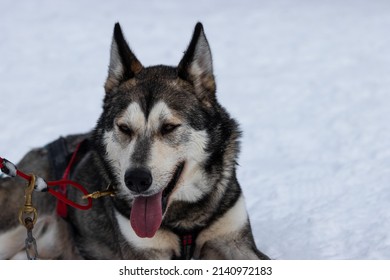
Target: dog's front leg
point(229, 237)
point(232, 246)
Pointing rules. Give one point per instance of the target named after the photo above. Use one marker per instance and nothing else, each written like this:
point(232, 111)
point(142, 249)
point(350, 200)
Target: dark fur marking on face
point(141, 151)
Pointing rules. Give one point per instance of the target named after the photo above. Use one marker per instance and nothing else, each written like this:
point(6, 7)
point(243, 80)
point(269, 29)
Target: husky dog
point(168, 149)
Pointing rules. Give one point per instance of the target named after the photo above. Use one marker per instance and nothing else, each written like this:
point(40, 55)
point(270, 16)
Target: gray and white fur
point(168, 148)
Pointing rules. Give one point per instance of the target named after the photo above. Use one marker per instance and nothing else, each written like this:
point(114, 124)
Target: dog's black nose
point(138, 179)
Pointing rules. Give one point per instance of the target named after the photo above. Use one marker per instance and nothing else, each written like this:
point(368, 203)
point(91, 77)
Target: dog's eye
point(168, 128)
point(125, 129)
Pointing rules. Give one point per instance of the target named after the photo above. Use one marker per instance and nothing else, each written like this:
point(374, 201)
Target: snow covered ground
point(309, 81)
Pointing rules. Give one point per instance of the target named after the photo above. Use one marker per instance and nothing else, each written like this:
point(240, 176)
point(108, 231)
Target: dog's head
point(162, 130)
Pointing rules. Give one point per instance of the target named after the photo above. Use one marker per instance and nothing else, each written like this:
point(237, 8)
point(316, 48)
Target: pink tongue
point(146, 215)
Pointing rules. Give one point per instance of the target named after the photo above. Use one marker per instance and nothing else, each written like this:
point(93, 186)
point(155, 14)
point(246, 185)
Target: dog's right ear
point(123, 63)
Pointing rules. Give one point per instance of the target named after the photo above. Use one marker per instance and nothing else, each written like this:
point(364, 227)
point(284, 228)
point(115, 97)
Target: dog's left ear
point(196, 66)
point(123, 63)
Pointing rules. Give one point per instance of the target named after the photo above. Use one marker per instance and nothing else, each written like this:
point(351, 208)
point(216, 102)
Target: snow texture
point(309, 82)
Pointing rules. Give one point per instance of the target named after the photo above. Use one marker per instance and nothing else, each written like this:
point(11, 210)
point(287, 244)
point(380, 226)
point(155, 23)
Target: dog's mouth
point(171, 185)
point(147, 211)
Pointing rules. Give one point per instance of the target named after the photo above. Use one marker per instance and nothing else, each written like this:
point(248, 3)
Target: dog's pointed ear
point(196, 66)
point(123, 63)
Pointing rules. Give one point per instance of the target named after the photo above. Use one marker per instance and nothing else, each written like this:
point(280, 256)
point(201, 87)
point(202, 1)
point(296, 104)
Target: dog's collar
point(187, 243)
point(187, 246)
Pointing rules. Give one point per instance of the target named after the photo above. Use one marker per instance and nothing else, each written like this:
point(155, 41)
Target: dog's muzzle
point(147, 210)
point(138, 180)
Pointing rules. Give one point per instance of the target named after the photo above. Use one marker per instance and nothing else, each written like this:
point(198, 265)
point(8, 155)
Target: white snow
point(309, 81)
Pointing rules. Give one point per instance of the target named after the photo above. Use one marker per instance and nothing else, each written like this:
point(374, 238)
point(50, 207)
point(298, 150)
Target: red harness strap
point(10, 169)
point(62, 209)
point(187, 246)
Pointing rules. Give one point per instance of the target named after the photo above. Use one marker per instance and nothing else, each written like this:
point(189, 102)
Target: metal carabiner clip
point(28, 209)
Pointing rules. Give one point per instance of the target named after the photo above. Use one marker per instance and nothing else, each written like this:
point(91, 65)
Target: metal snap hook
point(27, 209)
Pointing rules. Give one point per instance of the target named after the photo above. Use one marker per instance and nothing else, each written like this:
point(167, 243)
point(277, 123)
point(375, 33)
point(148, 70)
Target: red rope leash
point(10, 169)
